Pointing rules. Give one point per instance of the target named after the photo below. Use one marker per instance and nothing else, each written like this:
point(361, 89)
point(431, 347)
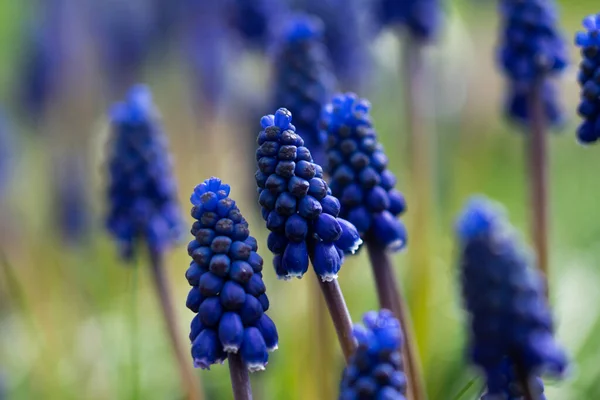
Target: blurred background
point(66, 303)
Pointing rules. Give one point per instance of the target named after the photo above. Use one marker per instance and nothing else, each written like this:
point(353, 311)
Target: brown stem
point(391, 298)
point(240, 379)
point(159, 277)
point(339, 315)
point(525, 382)
point(538, 175)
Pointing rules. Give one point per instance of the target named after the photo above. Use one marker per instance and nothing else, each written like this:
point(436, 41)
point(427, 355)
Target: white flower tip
point(255, 367)
point(230, 349)
point(272, 349)
point(329, 277)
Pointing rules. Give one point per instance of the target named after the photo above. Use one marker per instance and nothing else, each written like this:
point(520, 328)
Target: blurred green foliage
point(65, 312)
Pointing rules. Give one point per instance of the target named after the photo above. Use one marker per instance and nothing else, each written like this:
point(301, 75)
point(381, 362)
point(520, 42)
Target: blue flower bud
point(361, 218)
point(309, 207)
point(254, 350)
point(255, 286)
point(331, 206)
point(305, 170)
point(295, 260)
point(210, 311)
point(268, 331)
point(326, 261)
point(296, 228)
point(193, 274)
point(231, 332)
point(194, 299)
point(251, 311)
point(264, 301)
point(389, 231)
point(241, 271)
point(210, 284)
point(202, 256)
point(192, 246)
point(219, 264)
point(232, 296)
point(328, 228)
point(255, 261)
point(276, 184)
point(206, 350)
point(397, 202)
point(286, 204)
point(221, 244)
point(267, 199)
point(250, 241)
point(195, 328)
point(204, 237)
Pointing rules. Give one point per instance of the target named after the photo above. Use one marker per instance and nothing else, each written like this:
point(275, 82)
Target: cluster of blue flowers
point(297, 204)
point(357, 165)
point(304, 81)
point(421, 17)
point(254, 20)
point(532, 49)
point(511, 324)
point(589, 78)
point(142, 194)
point(228, 293)
point(508, 387)
point(346, 37)
point(375, 371)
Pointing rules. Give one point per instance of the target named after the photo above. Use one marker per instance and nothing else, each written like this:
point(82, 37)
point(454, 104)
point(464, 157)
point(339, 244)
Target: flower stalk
point(240, 379)
point(159, 279)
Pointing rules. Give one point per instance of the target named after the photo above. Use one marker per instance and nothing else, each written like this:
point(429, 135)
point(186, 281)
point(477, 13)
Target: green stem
point(133, 334)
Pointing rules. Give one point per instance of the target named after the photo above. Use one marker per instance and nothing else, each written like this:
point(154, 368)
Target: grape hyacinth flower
point(589, 75)
point(142, 193)
point(511, 325)
point(375, 371)
point(302, 216)
point(509, 387)
point(346, 37)
point(228, 293)
point(531, 51)
point(255, 20)
point(420, 17)
point(304, 80)
point(360, 178)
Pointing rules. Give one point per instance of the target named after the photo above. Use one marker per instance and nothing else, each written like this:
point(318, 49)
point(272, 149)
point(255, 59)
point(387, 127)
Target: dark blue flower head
point(255, 19)
point(142, 194)
point(509, 387)
point(297, 204)
point(589, 79)
point(511, 326)
point(422, 18)
point(357, 166)
point(228, 293)
point(375, 371)
point(304, 81)
point(345, 35)
point(531, 50)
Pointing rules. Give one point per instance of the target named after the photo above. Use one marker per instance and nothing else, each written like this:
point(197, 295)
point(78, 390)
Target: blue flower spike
point(304, 80)
point(589, 73)
point(297, 204)
point(142, 193)
point(422, 18)
point(532, 50)
point(228, 293)
point(375, 371)
point(359, 175)
point(511, 325)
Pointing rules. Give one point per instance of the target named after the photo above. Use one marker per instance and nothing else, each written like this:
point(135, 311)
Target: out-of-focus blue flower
point(346, 37)
point(142, 194)
point(209, 48)
point(509, 387)
point(422, 18)
point(357, 166)
point(256, 20)
point(52, 53)
point(511, 326)
point(72, 206)
point(375, 371)
point(125, 31)
point(228, 293)
point(304, 81)
point(589, 75)
point(531, 51)
point(297, 204)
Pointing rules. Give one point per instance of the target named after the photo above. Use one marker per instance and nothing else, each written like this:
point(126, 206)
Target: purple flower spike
point(511, 325)
point(228, 292)
point(357, 165)
point(375, 371)
point(589, 71)
point(142, 193)
point(297, 204)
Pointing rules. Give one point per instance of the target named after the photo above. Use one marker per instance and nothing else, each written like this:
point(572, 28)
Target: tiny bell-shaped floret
point(298, 207)
point(359, 175)
point(228, 293)
point(588, 78)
